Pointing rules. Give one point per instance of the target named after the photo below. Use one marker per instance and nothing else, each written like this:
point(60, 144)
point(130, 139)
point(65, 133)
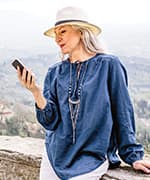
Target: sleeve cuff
point(41, 110)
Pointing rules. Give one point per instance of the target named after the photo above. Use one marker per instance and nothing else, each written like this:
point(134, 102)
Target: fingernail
point(148, 171)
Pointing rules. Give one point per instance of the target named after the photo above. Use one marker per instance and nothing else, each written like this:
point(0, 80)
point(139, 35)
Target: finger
point(24, 75)
point(33, 79)
point(146, 164)
point(19, 72)
point(142, 167)
point(145, 169)
point(20, 76)
point(29, 78)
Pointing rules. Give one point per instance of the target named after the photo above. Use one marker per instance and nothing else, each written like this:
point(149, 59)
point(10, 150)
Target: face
point(68, 39)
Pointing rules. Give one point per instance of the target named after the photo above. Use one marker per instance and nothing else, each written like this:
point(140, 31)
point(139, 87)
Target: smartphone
point(16, 63)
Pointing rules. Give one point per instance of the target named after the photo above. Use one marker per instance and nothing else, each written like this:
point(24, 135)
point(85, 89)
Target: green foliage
point(22, 123)
point(15, 126)
point(142, 112)
point(143, 135)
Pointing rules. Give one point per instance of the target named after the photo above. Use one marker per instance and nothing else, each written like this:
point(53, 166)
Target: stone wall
point(18, 166)
point(20, 160)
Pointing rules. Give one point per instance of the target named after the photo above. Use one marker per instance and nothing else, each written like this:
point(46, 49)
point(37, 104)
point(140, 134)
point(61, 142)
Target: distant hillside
point(138, 69)
point(128, 39)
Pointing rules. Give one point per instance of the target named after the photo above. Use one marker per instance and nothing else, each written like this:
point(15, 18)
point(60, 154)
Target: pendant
point(74, 102)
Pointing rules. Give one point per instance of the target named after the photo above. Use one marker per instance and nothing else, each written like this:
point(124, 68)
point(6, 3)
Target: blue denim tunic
point(105, 123)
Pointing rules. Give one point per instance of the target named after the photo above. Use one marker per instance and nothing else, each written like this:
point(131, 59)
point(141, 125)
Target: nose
point(58, 39)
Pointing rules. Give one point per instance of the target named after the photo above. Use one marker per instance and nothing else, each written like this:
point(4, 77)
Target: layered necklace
point(74, 96)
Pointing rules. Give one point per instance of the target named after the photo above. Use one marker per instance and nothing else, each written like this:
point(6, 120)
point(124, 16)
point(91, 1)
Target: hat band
point(70, 20)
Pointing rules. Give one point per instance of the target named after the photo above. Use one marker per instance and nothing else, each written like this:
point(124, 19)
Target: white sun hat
point(72, 16)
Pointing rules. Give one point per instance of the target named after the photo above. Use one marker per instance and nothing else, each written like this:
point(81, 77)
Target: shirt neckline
point(84, 62)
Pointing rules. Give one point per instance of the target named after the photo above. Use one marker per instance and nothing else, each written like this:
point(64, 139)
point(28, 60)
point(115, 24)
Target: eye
point(63, 31)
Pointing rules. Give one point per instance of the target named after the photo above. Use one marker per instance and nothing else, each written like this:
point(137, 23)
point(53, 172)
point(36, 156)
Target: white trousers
point(47, 172)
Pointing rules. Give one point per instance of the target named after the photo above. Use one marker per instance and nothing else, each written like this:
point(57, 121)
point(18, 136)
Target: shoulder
point(108, 58)
point(112, 61)
point(54, 67)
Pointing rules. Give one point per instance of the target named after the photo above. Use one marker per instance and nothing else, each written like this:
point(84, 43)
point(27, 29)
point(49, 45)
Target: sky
point(22, 22)
point(102, 11)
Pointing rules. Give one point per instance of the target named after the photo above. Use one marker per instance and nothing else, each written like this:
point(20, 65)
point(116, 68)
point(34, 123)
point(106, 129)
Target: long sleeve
point(49, 116)
point(123, 114)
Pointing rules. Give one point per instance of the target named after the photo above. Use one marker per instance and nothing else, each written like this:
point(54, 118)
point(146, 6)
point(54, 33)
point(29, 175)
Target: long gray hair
point(90, 41)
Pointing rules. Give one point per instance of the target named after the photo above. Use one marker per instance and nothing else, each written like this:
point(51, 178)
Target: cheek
point(75, 41)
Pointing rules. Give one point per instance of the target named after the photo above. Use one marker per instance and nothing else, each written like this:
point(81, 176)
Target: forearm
point(39, 99)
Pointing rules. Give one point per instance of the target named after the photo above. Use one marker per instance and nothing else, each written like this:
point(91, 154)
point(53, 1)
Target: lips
point(62, 45)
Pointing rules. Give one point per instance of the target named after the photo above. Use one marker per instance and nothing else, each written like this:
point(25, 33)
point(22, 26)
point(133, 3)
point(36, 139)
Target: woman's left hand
point(142, 165)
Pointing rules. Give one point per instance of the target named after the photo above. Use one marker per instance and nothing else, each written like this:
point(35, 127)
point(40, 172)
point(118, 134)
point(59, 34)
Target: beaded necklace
point(74, 103)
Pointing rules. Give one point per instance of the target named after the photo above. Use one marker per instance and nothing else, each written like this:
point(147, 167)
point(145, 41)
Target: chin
point(65, 52)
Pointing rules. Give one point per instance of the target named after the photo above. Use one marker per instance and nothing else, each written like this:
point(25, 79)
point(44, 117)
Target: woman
point(86, 109)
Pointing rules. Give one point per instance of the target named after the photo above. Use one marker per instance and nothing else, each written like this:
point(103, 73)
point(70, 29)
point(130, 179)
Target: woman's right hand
point(27, 80)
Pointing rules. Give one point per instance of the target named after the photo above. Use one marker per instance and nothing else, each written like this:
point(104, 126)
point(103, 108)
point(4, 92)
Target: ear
point(80, 32)
point(81, 36)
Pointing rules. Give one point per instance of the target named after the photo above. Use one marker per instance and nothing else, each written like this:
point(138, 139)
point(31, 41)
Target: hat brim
point(95, 29)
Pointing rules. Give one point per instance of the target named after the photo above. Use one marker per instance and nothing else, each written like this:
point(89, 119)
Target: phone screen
point(16, 63)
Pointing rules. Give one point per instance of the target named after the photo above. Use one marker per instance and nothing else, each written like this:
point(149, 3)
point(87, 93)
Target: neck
point(80, 57)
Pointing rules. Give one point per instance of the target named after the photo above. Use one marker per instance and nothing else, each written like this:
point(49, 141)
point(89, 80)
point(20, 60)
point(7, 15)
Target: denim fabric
point(105, 123)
